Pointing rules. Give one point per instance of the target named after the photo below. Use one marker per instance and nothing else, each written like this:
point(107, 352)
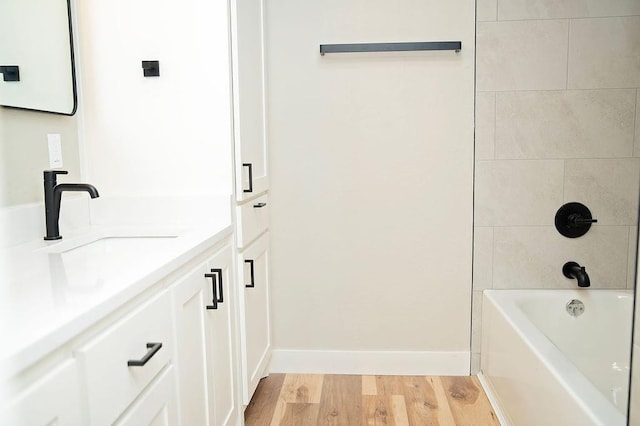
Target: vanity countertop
point(53, 290)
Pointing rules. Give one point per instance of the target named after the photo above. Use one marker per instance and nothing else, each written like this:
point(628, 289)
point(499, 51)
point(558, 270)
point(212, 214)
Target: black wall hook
point(151, 68)
point(573, 220)
point(10, 72)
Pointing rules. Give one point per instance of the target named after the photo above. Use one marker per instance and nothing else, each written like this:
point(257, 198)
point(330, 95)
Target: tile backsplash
point(557, 120)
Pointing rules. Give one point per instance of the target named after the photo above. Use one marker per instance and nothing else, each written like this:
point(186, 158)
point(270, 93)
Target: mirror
point(36, 56)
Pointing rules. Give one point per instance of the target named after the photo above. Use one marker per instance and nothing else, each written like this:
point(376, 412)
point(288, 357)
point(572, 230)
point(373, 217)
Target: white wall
point(371, 179)
point(23, 137)
point(156, 136)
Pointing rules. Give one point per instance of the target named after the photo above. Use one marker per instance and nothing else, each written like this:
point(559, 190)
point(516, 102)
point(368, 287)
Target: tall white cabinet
point(251, 188)
point(251, 168)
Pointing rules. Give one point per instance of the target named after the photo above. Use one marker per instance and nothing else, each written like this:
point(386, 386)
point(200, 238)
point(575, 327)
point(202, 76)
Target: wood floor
point(303, 399)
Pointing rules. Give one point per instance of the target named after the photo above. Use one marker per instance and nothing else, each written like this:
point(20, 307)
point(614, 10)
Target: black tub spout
point(573, 270)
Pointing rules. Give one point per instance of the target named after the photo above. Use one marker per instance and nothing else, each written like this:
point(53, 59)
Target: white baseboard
point(370, 362)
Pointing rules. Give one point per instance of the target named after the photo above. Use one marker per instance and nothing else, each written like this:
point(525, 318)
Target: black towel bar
point(391, 47)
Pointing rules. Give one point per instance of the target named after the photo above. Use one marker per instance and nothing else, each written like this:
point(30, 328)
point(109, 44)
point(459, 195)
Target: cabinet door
point(221, 341)
point(205, 328)
point(190, 297)
point(256, 317)
point(52, 400)
point(252, 176)
point(157, 404)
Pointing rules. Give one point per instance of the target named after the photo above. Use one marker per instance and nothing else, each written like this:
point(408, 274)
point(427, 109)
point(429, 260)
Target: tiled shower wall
point(557, 120)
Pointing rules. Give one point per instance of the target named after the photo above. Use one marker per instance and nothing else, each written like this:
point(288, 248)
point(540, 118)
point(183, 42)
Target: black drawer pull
point(252, 284)
point(153, 348)
point(259, 205)
point(214, 290)
point(250, 167)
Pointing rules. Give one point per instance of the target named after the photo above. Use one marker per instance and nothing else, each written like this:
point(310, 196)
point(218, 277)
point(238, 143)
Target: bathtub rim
point(573, 381)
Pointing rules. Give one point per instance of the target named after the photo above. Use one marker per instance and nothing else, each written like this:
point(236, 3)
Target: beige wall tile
point(485, 125)
point(532, 257)
point(604, 52)
point(609, 187)
point(523, 55)
point(486, 10)
point(632, 260)
point(518, 192)
point(550, 9)
point(565, 124)
point(482, 257)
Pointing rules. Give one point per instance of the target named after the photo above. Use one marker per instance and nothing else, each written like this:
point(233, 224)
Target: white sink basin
point(114, 241)
point(110, 256)
point(110, 245)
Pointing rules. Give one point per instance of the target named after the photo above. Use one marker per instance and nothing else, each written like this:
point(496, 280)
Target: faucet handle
point(51, 174)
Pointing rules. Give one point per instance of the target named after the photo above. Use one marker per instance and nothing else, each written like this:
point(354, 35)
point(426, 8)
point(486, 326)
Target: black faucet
point(53, 196)
point(573, 270)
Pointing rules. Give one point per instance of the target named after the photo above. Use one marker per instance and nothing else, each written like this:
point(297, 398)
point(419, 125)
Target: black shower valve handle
point(578, 220)
point(573, 220)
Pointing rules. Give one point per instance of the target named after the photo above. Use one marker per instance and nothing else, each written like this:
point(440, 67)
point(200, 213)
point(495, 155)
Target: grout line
point(568, 53)
point(559, 159)
point(635, 125)
point(564, 179)
point(493, 257)
point(561, 18)
point(587, 89)
point(628, 256)
point(495, 122)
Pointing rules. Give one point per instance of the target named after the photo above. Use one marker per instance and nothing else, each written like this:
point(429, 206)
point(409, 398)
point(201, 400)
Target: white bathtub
point(542, 366)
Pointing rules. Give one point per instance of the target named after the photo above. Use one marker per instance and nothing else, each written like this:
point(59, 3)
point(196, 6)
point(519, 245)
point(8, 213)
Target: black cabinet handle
point(217, 284)
point(153, 349)
point(220, 291)
point(214, 301)
point(250, 167)
point(252, 284)
point(259, 205)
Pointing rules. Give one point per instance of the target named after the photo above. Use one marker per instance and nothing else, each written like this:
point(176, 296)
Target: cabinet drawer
point(111, 383)
point(253, 220)
point(157, 406)
point(53, 399)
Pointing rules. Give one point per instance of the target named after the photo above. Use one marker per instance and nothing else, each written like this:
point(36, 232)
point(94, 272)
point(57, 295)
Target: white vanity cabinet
point(166, 354)
point(51, 400)
point(156, 406)
point(119, 363)
point(204, 302)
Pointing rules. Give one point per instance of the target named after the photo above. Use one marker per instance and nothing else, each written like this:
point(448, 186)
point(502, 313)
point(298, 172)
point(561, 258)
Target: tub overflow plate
point(575, 307)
